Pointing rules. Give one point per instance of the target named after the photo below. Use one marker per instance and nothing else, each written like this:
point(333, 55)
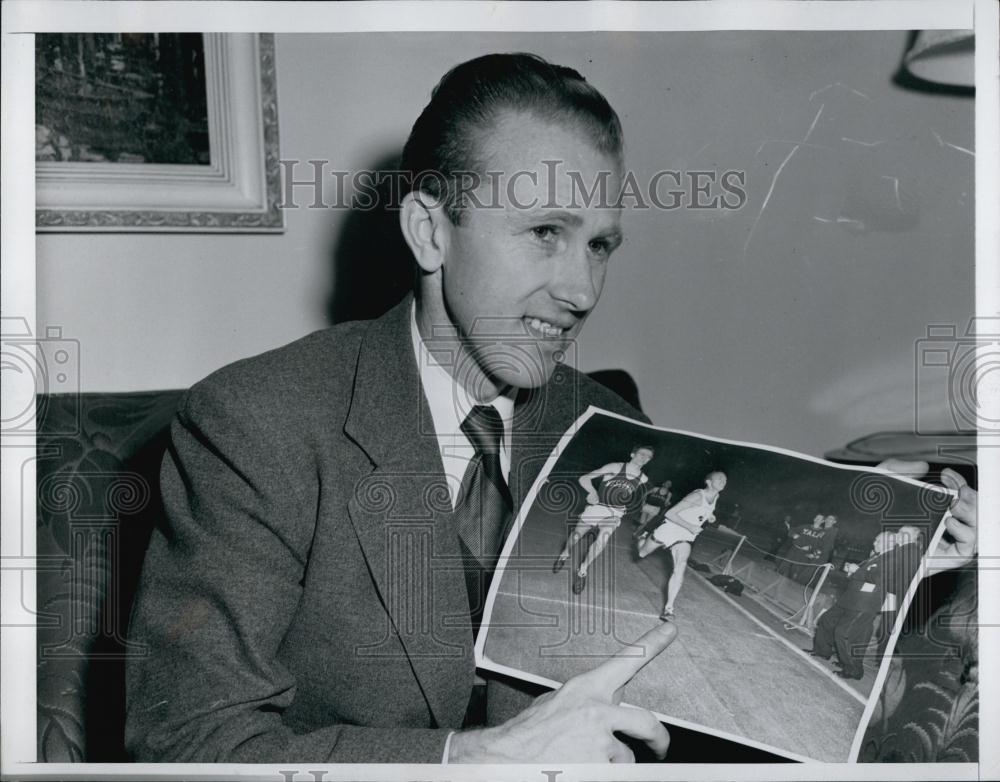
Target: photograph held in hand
point(758, 654)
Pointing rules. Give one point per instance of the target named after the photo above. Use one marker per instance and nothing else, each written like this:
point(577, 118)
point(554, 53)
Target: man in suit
point(876, 586)
point(903, 560)
point(309, 597)
point(846, 627)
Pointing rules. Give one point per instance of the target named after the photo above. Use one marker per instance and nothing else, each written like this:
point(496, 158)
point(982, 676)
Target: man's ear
point(422, 220)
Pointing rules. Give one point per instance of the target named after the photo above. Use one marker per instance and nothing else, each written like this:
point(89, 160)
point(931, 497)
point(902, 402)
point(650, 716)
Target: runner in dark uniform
point(620, 489)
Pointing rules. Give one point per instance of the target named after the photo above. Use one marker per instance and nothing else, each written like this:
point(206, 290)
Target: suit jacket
point(902, 565)
point(305, 598)
point(865, 591)
point(889, 572)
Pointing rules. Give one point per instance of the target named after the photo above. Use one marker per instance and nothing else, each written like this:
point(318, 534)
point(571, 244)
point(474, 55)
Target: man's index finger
point(609, 678)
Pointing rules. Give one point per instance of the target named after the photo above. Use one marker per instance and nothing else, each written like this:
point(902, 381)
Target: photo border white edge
point(567, 437)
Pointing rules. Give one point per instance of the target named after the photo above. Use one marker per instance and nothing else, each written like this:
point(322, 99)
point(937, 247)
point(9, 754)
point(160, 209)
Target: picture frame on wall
point(156, 132)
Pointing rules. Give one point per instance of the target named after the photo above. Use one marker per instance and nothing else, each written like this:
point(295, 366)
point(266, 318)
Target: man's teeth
point(547, 329)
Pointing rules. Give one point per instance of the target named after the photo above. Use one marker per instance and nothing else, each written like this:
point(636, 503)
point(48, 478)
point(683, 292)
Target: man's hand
point(576, 723)
point(957, 546)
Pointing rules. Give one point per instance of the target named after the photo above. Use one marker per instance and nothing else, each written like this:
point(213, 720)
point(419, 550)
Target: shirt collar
point(449, 401)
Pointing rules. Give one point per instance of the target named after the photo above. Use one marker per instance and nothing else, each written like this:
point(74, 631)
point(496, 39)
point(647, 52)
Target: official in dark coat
point(879, 582)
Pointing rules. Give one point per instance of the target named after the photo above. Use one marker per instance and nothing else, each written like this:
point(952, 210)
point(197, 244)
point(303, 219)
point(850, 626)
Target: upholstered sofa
point(98, 498)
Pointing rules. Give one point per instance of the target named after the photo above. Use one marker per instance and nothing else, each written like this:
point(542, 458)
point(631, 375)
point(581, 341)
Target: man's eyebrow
point(553, 216)
point(613, 236)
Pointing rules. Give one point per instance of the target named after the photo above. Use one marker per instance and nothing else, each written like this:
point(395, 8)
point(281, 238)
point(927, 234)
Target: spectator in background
point(811, 546)
point(781, 541)
point(829, 540)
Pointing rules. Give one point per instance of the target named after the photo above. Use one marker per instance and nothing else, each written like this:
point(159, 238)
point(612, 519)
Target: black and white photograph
point(780, 626)
point(460, 390)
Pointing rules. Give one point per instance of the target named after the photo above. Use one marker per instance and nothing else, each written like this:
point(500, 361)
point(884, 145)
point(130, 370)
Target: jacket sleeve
point(219, 586)
point(826, 548)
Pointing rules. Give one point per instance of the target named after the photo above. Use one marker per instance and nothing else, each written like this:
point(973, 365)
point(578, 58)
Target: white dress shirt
point(450, 403)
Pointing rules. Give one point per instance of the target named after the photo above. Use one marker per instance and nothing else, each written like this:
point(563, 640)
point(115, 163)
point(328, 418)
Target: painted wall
point(794, 320)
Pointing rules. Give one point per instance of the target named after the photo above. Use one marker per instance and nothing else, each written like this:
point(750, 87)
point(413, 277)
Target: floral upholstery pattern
point(928, 710)
point(97, 499)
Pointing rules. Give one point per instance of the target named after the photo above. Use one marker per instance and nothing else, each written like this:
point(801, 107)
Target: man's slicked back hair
point(447, 140)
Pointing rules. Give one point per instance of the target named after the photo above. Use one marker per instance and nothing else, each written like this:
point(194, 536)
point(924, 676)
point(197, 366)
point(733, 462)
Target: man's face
point(519, 280)
point(818, 521)
point(883, 542)
point(717, 481)
point(641, 457)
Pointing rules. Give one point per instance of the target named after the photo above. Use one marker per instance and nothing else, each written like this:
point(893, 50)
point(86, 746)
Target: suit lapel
point(402, 515)
point(541, 416)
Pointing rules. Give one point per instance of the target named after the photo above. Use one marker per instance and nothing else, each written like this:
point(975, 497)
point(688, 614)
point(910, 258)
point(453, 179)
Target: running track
point(724, 672)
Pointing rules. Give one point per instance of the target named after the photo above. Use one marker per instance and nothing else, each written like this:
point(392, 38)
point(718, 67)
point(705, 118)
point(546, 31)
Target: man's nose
point(574, 282)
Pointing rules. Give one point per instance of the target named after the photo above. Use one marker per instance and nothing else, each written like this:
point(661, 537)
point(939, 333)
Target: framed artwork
point(157, 132)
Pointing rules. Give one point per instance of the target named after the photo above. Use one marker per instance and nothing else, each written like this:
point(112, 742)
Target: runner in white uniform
point(680, 527)
point(621, 485)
